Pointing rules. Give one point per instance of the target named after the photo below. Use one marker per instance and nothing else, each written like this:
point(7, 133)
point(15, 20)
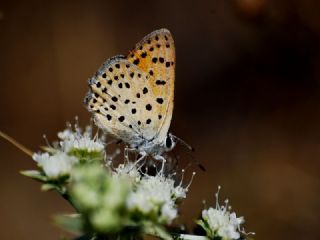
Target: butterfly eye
point(169, 142)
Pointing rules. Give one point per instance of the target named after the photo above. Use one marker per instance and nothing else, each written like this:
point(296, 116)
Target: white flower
point(221, 222)
point(169, 211)
point(128, 171)
point(77, 140)
point(156, 193)
point(180, 192)
point(66, 134)
point(57, 165)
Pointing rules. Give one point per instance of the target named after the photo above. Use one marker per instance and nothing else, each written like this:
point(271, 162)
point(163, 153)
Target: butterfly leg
point(141, 157)
point(126, 153)
point(160, 158)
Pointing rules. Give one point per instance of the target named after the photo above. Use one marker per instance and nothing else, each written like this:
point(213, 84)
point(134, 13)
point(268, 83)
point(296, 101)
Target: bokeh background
point(247, 98)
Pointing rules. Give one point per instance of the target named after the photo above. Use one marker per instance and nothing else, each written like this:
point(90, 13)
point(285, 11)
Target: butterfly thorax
point(150, 147)
point(155, 147)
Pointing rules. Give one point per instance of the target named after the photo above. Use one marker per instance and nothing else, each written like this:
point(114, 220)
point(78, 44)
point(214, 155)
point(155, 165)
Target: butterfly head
point(155, 147)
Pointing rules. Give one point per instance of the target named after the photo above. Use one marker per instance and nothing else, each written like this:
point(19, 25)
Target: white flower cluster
point(99, 197)
point(223, 223)
point(151, 198)
point(220, 222)
point(114, 201)
point(71, 140)
point(74, 147)
point(112, 198)
point(154, 195)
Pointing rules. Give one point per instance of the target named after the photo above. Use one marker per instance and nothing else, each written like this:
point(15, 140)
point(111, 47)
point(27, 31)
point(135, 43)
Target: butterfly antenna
point(191, 149)
point(16, 144)
point(184, 143)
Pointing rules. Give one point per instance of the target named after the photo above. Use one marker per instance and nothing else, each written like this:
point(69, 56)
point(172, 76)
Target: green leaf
point(201, 224)
point(35, 174)
point(156, 230)
point(205, 227)
point(49, 186)
point(70, 222)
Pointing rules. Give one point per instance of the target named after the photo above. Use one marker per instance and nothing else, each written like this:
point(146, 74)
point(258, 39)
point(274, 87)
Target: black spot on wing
point(160, 100)
point(121, 118)
point(160, 82)
point(148, 107)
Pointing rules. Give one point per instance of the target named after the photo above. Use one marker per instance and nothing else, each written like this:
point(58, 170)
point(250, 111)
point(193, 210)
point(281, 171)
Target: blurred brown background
point(247, 98)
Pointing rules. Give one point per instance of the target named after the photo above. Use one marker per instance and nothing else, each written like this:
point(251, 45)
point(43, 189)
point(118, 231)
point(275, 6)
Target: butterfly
point(131, 97)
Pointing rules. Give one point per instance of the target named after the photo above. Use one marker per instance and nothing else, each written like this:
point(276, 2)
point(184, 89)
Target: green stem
point(67, 197)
